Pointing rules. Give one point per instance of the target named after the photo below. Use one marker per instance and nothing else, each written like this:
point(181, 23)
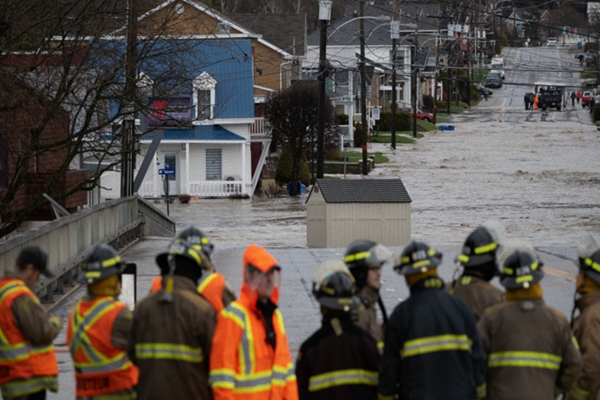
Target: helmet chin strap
point(576, 297)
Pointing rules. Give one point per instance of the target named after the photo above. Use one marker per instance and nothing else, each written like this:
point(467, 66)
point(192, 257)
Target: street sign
point(166, 171)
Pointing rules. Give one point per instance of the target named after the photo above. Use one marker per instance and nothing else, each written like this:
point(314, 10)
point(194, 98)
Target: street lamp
point(324, 16)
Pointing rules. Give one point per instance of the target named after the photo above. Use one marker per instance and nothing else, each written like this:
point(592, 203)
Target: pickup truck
point(550, 98)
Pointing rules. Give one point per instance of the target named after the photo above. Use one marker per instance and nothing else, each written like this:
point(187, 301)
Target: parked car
point(493, 79)
point(551, 41)
point(422, 115)
point(482, 90)
point(585, 98)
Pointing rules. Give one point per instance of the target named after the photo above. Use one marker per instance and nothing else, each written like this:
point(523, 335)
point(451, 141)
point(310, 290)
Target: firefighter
point(172, 330)
point(98, 331)
point(365, 260)
point(432, 350)
point(478, 260)
point(213, 286)
point(529, 346)
point(585, 326)
point(250, 357)
point(27, 361)
point(321, 370)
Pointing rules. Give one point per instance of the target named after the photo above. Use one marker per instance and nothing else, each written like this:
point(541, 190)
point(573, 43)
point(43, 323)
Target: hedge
point(403, 121)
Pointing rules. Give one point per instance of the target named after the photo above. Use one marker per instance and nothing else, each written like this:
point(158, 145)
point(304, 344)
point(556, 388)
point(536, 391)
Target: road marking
point(560, 273)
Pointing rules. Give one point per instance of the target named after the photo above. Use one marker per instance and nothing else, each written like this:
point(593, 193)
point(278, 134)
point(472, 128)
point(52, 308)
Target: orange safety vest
point(24, 368)
point(211, 288)
point(100, 368)
point(242, 364)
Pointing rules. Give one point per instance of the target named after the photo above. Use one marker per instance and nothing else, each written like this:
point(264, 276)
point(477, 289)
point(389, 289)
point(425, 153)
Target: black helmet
point(338, 292)
point(478, 255)
point(362, 254)
point(325, 269)
point(181, 248)
point(195, 237)
point(519, 265)
point(589, 257)
point(417, 257)
point(100, 263)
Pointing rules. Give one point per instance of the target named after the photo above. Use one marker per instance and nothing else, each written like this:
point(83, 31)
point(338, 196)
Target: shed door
point(213, 165)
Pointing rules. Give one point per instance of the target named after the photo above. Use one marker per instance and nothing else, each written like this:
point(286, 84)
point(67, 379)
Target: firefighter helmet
point(520, 266)
point(338, 292)
point(362, 254)
point(181, 248)
point(589, 257)
point(481, 245)
point(196, 238)
point(327, 268)
point(417, 257)
point(100, 263)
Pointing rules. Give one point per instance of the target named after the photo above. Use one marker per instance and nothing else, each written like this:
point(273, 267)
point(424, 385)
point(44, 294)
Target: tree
point(56, 59)
point(293, 114)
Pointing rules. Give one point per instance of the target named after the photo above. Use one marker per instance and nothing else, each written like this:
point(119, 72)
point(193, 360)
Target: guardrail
point(66, 240)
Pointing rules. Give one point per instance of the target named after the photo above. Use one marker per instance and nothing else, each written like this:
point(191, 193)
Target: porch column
point(187, 169)
point(244, 144)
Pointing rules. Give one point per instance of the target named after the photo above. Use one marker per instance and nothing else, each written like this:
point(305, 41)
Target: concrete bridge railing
point(67, 240)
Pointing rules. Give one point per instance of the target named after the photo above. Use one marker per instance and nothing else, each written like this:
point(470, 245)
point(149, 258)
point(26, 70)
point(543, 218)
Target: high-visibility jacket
point(24, 368)
point(243, 365)
point(529, 349)
point(432, 350)
point(212, 287)
point(339, 361)
point(478, 294)
point(100, 367)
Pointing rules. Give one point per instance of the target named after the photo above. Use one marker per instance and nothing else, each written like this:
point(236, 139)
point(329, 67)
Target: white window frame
point(204, 82)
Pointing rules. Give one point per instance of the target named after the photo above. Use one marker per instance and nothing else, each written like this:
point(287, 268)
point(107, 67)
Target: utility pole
point(415, 71)
point(363, 88)
point(437, 56)
point(324, 16)
point(128, 128)
point(395, 34)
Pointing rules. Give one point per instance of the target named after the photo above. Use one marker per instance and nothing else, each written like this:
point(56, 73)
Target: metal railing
point(67, 240)
point(258, 127)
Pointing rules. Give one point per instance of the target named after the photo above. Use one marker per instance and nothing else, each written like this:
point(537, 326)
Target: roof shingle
point(363, 191)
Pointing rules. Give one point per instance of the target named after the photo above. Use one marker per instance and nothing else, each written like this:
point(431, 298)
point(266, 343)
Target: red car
point(422, 115)
point(585, 98)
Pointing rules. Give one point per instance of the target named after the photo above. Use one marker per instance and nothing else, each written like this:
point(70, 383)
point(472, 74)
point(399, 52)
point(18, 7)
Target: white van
point(498, 65)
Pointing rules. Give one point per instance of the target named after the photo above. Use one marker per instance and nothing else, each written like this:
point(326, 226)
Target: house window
point(204, 96)
point(213, 165)
point(329, 84)
point(399, 59)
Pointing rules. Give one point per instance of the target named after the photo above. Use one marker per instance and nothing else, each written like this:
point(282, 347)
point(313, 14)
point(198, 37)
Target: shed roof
point(363, 191)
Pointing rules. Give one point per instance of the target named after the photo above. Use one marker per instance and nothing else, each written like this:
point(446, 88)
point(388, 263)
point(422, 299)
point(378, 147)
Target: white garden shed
point(340, 211)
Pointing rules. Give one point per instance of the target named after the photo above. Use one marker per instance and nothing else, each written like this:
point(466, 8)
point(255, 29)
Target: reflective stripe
point(206, 281)
point(436, 343)
point(168, 351)
point(481, 391)
point(577, 393)
point(122, 396)
point(357, 256)
point(343, 377)
point(592, 264)
point(82, 322)
point(485, 249)
point(380, 346)
point(246, 346)
point(22, 387)
point(283, 374)
point(465, 280)
point(531, 359)
point(19, 351)
point(575, 343)
point(222, 378)
point(118, 363)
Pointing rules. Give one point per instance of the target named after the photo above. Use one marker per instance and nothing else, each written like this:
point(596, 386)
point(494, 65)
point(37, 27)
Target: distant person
point(573, 96)
point(536, 100)
point(27, 361)
point(578, 96)
point(365, 260)
point(585, 326)
point(526, 100)
point(432, 350)
point(591, 104)
point(531, 352)
point(478, 261)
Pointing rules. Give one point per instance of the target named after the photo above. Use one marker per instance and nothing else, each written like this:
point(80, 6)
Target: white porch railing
point(258, 127)
point(216, 188)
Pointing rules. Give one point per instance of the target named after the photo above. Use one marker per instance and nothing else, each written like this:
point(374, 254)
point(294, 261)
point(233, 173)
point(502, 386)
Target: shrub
point(427, 102)
point(283, 174)
point(342, 119)
point(403, 121)
point(441, 104)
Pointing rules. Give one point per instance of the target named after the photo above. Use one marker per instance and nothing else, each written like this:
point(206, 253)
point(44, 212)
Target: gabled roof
point(286, 31)
point(363, 191)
